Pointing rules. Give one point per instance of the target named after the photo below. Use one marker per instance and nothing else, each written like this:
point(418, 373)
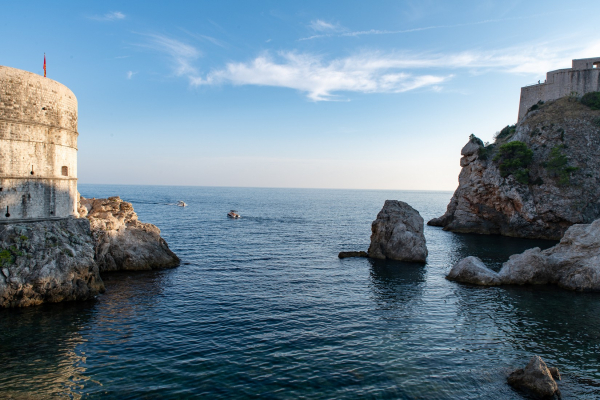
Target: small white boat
point(233, 214)
point(180, 203)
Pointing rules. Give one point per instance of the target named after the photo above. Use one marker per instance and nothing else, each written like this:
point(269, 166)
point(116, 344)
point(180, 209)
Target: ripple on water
point(264, 308)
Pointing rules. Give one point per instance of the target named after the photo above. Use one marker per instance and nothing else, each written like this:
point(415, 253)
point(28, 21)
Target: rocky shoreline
point(61, 260)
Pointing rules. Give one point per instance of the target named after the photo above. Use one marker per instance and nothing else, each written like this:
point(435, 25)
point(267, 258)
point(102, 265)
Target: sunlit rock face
point(397, 233)
point(121, 241)
point(47, 262)
point(550, 199)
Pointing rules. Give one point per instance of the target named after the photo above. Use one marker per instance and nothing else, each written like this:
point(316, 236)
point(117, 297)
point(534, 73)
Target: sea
point(262, 308)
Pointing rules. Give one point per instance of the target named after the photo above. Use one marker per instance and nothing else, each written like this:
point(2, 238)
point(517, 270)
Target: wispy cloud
point(370, 72)
point(318, 25)
point(130, 74)
point(425, 28)
point(181, 55)
point(111, 16)
point(320, 79)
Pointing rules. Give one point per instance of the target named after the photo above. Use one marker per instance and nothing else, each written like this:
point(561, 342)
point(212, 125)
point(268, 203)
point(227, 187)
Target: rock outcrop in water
point(531, 195)
point(47, 262)
point(397, 233)
point(121, 241)
point(574, 263)
point(536, 378)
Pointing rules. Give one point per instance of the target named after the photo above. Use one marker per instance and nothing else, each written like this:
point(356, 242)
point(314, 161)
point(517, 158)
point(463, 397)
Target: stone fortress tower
point(38, 148)
point(582, 78)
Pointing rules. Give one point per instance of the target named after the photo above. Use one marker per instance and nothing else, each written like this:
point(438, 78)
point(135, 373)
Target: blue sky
point(322, 94)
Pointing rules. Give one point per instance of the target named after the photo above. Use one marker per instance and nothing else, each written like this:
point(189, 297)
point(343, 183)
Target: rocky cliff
point(537, 179)
point(121, 241)
point(47, 262)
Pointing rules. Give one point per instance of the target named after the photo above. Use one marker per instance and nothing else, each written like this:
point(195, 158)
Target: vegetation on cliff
point(513, 159)
point(592, 100)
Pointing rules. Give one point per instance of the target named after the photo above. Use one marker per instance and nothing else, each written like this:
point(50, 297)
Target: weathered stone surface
point(487, 203)
point(47, 262)
point(473, 270)
point(121, 241)
point(397, 233)
point(348, 254)
point(574, 263)
point(535, 378)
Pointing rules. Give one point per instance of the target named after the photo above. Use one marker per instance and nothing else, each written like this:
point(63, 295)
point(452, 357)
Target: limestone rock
point(535, 378)
point(472, 270)
point(47, 262)
point(121, 241)
point(397, 233)
point(487, 203)
point(574, 263)
point(348, 254)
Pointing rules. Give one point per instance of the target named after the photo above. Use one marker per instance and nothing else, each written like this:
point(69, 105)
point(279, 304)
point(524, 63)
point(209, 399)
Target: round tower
point(38, 148)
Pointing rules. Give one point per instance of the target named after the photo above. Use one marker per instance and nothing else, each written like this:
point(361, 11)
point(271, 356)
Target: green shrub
point(513, 159)
point(6, 257)
point(535, 106)
point(506, 132)
point(486, 151)
point(592, 100)
point(596, 121)
point(557, 165)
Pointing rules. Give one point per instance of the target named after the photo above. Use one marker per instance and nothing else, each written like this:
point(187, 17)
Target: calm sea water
point(262, 308)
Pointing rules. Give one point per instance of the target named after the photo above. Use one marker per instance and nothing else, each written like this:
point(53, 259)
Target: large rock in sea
point(47, 262)
point(559, 187)
point(121, 241)
point(397, 233)
point(472, 270)
point(536, 378)
point(574, 263)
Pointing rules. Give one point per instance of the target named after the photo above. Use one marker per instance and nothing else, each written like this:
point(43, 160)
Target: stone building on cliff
point(583, 77)
point(38, 148)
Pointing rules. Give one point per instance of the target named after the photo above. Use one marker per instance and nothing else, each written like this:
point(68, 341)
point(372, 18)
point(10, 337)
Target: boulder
point(47, 262)
point(121, 241)
point(472, 270)
point(397, 233)
point(348, 254)
point(536, 378)
point(574, 263)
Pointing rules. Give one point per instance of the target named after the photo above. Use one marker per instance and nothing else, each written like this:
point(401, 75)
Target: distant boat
point(233, 214)
point(180, 203)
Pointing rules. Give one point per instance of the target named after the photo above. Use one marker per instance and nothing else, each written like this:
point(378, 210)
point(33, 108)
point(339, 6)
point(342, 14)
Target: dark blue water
point(262, 308)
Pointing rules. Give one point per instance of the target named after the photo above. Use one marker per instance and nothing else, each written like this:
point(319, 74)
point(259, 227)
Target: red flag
point(44, 65)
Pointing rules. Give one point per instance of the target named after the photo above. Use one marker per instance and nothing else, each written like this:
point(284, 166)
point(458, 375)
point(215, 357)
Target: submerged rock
point(397, 233)
point(574, 263)
point(47, 262)
point(557, 189)
point(348, 254)
point(473, 270)
point(536, 378)
point(121, 241)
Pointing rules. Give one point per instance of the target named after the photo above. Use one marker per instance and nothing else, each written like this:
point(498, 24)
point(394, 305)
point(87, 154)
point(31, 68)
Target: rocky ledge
point(121, 241)
point(537, 179)
point(47, 262)
point(397, 233)
point(574, 263)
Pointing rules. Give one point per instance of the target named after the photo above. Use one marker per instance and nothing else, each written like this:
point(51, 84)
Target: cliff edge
point(121, 241)
point(537, 179)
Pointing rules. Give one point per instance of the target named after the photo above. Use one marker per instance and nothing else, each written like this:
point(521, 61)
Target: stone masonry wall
point(38, 147)
point(583, 78)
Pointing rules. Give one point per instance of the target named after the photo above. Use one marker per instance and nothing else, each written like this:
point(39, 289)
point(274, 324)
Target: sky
point(310, 94)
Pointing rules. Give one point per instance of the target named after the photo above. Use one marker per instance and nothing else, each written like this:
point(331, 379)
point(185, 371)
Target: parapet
point(582, 78)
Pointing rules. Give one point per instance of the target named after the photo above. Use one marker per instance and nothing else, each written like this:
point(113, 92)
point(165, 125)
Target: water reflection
point(396, 284)
point(39, 350)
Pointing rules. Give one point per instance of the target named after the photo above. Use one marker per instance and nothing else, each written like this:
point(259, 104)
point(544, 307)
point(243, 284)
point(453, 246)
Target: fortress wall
point(558, 84)
point(38, 133)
